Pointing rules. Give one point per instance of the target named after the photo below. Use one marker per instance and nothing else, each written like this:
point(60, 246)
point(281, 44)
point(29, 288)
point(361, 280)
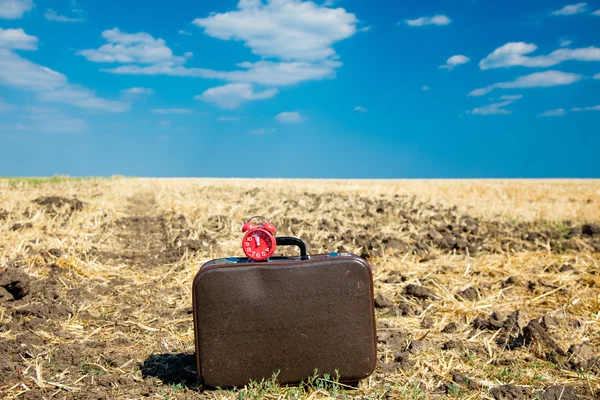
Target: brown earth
point(95, 288)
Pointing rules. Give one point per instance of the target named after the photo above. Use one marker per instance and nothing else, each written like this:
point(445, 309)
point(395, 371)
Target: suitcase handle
point(292, 241)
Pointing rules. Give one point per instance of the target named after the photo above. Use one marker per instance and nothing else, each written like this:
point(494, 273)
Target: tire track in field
point(143, 235)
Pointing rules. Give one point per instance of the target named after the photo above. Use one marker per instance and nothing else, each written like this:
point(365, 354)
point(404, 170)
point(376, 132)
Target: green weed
point(51, 180)
point(256, 390)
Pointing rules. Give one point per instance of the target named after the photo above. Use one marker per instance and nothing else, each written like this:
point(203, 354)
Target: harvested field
point(484, 289)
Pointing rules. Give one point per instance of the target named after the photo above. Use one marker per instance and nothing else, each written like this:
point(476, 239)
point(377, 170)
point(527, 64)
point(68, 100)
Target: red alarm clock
point(259, 240)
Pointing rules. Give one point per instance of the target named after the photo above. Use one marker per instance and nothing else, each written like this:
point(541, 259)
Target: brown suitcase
point(288, 315)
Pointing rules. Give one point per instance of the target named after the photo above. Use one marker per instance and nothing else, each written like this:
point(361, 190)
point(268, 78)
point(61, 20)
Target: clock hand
point(257, 240)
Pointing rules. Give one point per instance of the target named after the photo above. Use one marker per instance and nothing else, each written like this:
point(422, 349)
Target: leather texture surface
point(291, 316)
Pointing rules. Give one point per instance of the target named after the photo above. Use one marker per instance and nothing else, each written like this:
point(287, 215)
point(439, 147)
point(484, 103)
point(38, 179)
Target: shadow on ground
point(172, 368)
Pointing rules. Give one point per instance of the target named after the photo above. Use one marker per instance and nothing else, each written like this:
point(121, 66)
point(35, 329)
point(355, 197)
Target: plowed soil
point(483, 289)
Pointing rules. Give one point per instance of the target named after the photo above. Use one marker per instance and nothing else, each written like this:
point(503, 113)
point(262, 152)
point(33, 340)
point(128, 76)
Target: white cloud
point(50, 85)
point(279, 74)
point(285, 29)
point(492, 109)
point(453, 61)
point(571, 9)
point(14, 9)
point(261, 131)
point(565, 42)
point(164, 123)
point(514, 54)
point(261, 72)
point(227, 119)
point(496, 108)
point(553, 113)
point(17, 39)
point(57, 123)
point(74, 9)
point(41, 121)
point(597, 76)
point(360, 109)
point(425, 87)
point(12, 127)
point(131, 48)
point(232, 95)
point(511, 97)
point(182, 32)
point(135, 91)
point(592, 108)
point(365, 29)
point(167, 68)
point(537, 79)
point(42, 110)
point(561, 111)
point(4, 106)
point(19, 72)
point(596, 13)
point(435, 20)
point(84, 98)
point(52, 15)
point(294, 39)
point(164, 111)
point(290, 117)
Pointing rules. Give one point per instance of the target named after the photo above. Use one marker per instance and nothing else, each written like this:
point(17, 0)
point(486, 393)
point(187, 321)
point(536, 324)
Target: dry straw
point(109, 313)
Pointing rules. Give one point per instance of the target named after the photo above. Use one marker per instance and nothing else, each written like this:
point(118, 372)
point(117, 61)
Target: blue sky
point(290, 88)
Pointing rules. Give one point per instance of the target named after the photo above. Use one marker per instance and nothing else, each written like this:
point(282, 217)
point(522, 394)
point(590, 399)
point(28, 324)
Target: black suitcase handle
point(292, 241)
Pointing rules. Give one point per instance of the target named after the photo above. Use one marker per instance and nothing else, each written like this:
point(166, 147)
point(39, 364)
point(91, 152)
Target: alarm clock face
point(258, 244)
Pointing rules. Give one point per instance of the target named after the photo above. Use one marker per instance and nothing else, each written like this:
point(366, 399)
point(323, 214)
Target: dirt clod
point(382, 337)
point(427, 258)
point(548, 321)
point(535, 336)
point(57, 253)
point(420, 292)
point(5, 295)
point(426, 323)
point(417, 346)
point(383, 301)
point(508, 392)
point(396, 341)
point(394, 277)
point(450, 328)
point(582, 356)
point(52, 203)
point(462, 379)
point(15, 283)
point(566, 268)
point(453, 345)
point(406, 309)
point(558, 392)
point(470, 294)
point(19, 226)
point(404, 361)
point(510, 281)
point(493, 323)
point(590, 229)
